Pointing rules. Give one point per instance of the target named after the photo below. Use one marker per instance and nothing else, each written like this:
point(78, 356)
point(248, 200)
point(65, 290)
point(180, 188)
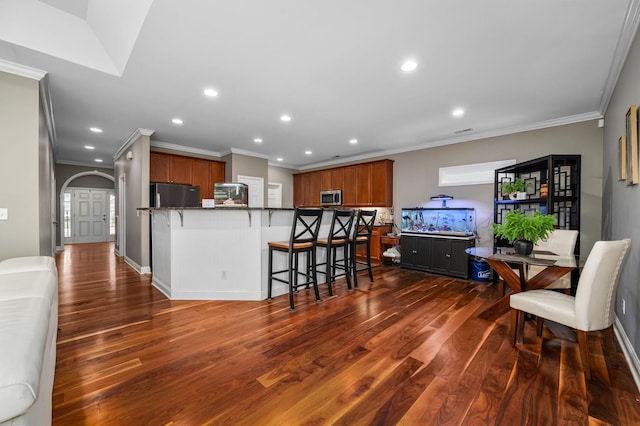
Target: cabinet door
point(201, 178)
point(325, 180)
point(181, 169)
point(408, 251)
point(216, 173)
point(459, 259)
point(349, 186)
point(424, 249)
point(337, 180)
point(159, 167)
point(382, 183)
point(312, 194)
point(363, 184)
point(298, 191)
point(441, 258)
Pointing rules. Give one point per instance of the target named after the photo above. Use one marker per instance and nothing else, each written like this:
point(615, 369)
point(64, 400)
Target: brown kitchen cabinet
point(167, 168)
point(363, 185)
point(170, 168)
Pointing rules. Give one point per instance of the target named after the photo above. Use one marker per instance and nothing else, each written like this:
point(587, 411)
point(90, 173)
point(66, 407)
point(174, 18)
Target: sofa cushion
point(18, 285)
point(24, 322)
point(28, 263)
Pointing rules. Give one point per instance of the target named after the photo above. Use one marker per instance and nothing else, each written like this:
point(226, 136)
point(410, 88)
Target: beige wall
point(284, 177)
point(416, 173)
point(20, 148)
point(621, 203)
point(245, 165)
point(135, 173)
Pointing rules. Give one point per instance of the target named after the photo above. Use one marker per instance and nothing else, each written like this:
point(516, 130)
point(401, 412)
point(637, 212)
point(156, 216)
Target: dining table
point(505, 262)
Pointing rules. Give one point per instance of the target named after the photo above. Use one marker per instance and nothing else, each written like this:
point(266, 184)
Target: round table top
point(507, 254)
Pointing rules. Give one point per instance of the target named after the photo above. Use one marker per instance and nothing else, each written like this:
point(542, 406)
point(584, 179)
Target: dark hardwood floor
point(405, 349)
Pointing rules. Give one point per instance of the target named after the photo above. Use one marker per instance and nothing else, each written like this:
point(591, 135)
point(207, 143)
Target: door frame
point(61, 197)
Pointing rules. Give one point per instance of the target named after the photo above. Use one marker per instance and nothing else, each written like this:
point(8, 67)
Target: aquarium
point(445, 221)
point(231, 194)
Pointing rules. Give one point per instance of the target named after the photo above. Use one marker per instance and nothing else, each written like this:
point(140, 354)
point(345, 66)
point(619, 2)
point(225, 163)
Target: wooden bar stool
point(303, 239)
point(362, 235)
point(337, 238)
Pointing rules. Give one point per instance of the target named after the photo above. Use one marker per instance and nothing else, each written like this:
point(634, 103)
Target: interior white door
point(274, 196)
point(91, 210)
point(256, 189)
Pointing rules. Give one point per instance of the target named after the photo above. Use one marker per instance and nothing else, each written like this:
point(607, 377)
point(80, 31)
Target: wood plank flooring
point(406, 349)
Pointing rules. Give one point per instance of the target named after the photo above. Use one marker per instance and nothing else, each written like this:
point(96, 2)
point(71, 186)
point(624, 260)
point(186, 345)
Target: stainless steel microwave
point(331, 197)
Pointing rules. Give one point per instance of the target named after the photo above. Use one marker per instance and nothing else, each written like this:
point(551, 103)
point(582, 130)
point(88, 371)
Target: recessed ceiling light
point(353, 141)
point(279, 158)
point(89, 147)
point(409, 65)
point(98, 160)
point(176, 121)
point(257, 140)
point(458, 112)
point(308, 152)
point(285, 118)
point(211, 92)
point(95, 130)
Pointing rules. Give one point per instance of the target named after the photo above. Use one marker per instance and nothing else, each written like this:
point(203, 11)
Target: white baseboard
point(629, 353)
point(141, 269)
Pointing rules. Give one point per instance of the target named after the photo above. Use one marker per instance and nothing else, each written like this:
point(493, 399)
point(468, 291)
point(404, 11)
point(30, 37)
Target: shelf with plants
point(552, 186)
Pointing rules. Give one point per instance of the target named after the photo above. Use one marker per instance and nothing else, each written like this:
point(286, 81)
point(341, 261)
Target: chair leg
point(345, 263)
point(610, 346)
point(369, 260)
point(520, 326)
point(354, 266)
point(514, 326)
point(582, 344)
point(539, 324)
point(328, 270)
point(313, 274)
point(292, 273)
point(501, 287)
point(270, 273)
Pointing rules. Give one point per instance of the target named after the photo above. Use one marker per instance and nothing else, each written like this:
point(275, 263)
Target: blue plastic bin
point(480, 271)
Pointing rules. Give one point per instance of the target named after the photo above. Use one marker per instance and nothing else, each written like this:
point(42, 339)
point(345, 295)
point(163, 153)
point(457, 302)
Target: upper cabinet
point(363, 185)
point(169, 168)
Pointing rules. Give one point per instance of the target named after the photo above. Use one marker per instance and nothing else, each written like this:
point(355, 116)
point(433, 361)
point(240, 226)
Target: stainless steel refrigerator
point(174, 195)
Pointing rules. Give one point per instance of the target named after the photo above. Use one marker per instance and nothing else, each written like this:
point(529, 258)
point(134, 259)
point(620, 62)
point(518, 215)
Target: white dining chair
point(592, 308)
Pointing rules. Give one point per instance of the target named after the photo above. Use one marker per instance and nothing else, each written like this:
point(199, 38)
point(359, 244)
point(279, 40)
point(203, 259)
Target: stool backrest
point(340, 225)
point(364, 223)
point(306, 224)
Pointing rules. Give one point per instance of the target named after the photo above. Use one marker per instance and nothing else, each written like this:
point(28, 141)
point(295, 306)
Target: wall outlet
point(223, 275)
point(624, 307)
point(4, 214)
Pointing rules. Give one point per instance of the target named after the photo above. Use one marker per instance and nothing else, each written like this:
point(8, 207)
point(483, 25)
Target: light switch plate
point(4, 214)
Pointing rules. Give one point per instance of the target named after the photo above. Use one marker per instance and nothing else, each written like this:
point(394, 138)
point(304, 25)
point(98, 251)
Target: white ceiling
point(332, 65)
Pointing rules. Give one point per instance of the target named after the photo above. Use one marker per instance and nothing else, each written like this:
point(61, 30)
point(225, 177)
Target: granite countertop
point(215, 208)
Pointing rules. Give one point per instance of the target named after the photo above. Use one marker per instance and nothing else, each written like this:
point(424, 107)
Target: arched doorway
point(86, 212)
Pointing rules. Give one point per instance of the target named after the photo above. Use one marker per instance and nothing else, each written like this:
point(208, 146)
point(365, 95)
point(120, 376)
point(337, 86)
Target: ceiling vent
point(457, 132)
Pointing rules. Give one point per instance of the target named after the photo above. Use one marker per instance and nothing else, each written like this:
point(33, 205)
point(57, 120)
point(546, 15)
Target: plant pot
point(518, 196)
point(523, 247)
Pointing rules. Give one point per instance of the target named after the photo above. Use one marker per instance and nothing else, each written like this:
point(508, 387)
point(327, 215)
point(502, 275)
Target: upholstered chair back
point(595, 297)
point(560, 241)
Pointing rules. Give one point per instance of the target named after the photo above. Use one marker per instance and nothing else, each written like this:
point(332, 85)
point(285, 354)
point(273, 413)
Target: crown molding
point(83, 164)
point(131, 139)
point(249, 153)
point(623, 45)
point(22, 70)
point(186, 149)
point(572, 119)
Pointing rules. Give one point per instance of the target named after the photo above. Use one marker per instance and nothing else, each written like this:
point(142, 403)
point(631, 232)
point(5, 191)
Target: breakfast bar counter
point(219, 253)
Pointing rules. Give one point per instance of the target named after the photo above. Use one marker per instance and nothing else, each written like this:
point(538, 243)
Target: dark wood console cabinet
point(437, 254)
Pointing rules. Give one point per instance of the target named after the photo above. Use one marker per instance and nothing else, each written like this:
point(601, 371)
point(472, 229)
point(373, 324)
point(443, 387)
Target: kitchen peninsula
point(219, 253)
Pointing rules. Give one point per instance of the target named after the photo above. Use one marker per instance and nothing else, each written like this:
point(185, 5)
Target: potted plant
point(524, 231)
point(518, 190)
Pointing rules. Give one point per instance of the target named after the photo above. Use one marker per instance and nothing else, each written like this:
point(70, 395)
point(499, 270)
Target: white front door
point(91, 215)
point(256, 190)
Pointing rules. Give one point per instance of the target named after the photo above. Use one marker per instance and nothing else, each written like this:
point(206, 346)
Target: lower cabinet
point(437, 254)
